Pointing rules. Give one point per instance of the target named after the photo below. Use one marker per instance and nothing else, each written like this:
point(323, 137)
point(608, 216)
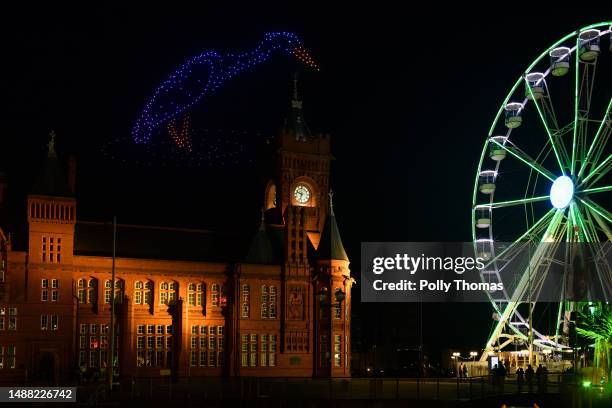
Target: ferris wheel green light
point(562, 192)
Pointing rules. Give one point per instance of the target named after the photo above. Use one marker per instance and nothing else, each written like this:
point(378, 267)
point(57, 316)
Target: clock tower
point(302, 176)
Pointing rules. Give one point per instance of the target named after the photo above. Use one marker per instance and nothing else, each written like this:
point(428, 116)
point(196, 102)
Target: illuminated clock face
point(301, 194)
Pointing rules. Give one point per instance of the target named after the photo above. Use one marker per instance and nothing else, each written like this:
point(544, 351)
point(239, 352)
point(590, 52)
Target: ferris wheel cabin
point(496, 152)
point(487, 181)
point(513, 115)
point(560, 61)
point(588, 45)
point(534, 87)
point(483, 217)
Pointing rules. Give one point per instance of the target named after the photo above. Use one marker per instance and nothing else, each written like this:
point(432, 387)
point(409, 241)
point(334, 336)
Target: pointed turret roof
point(330, 246)
point(261, 250)
point(295, 121)
point(52, 180)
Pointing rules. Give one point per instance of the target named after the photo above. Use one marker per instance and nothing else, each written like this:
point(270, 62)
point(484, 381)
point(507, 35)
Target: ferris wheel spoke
point(596, 145)
point(511, 203)
point(526, 278)
point(600, 222)
point(596, 190)
point(556, 147)
point(598, 172)
point(530, 235)
point(525, 158)
point(596, 208)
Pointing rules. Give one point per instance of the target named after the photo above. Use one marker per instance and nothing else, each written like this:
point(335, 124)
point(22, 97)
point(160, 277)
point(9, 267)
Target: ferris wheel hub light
point(562, 192)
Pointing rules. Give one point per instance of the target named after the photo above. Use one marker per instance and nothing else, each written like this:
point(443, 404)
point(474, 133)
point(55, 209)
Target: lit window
point(337, 351)
point(272, 306)
point(246, 298)
point(54, 283)
point(43, 322)
point(214, 295)
point(54, 322)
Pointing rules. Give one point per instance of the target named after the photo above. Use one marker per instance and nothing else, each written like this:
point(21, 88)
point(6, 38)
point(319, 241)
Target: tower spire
point(51, 145)
point(330, 246)
point(295, 122)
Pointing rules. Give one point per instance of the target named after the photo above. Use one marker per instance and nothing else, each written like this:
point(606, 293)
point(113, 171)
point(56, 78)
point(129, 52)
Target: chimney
point(72, 174)
point(3, 186)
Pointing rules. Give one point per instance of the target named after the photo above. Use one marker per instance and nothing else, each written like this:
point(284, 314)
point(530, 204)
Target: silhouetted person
point(520, 378)
point(465, 371)
point(539, 375)
point(529, 377)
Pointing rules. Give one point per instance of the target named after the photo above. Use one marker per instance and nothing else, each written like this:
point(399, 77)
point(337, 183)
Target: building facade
point(186, 303)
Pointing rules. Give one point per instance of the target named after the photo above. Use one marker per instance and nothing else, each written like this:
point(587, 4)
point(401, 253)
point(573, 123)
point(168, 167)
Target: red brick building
point(187, 302)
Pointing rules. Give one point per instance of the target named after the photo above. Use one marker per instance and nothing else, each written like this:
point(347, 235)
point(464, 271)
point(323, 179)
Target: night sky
point(408, 97)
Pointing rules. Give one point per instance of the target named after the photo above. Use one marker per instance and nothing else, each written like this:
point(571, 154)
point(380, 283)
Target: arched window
point(92, 292)
point(107, 291)
point(138, 286)
point(246, 299)
point(214, 295)
point(272, 303)
point(82, 294)
point(167, 292)
point(200, 297)
point(264, 301)
point(118, 291)
point(163, 293)
point(194, 294)
point(148, 293)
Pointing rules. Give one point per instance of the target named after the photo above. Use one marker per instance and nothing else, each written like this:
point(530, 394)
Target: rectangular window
point(11, 356)
point(204, 330)
point(83, 329)
point(54, 322)
point(140, 358)
point(2, 323)
point(160, 342)
point(107, 296)
point(150, 357)
point(44, 283)
point(213, 331)
point(151, 329)
point(212, 360)
point(202, 358)
point(272, 351)
point(212, 343)
point(191, 299)
point(337, 351)
point(82, 296)
point(44, 295)
point(104, 329)
point(103, 358)
point(203, 342)
point(169, 342)
point(93, 342)
point(140, 342)
point(194, 342)
point(82, 358)
point(169, 329)
point(138, 297)
point(54, 295)
point(193, 359)
point(93, 358)
point(163, 298)
point(194, 329)
point(93, 328)
point(141, 329)
point(160, 329)
point(43, 322)
point(150, 342)
point(103, 342)
point(12, 323)
point(54, 283)
point(159, 358)
point(82, 342)
point(200, 297)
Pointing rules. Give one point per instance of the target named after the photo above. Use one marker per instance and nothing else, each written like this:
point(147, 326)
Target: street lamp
point(473, 354)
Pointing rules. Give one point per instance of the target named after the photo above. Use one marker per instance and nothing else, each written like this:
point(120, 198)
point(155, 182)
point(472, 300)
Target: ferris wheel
point(543, 181)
